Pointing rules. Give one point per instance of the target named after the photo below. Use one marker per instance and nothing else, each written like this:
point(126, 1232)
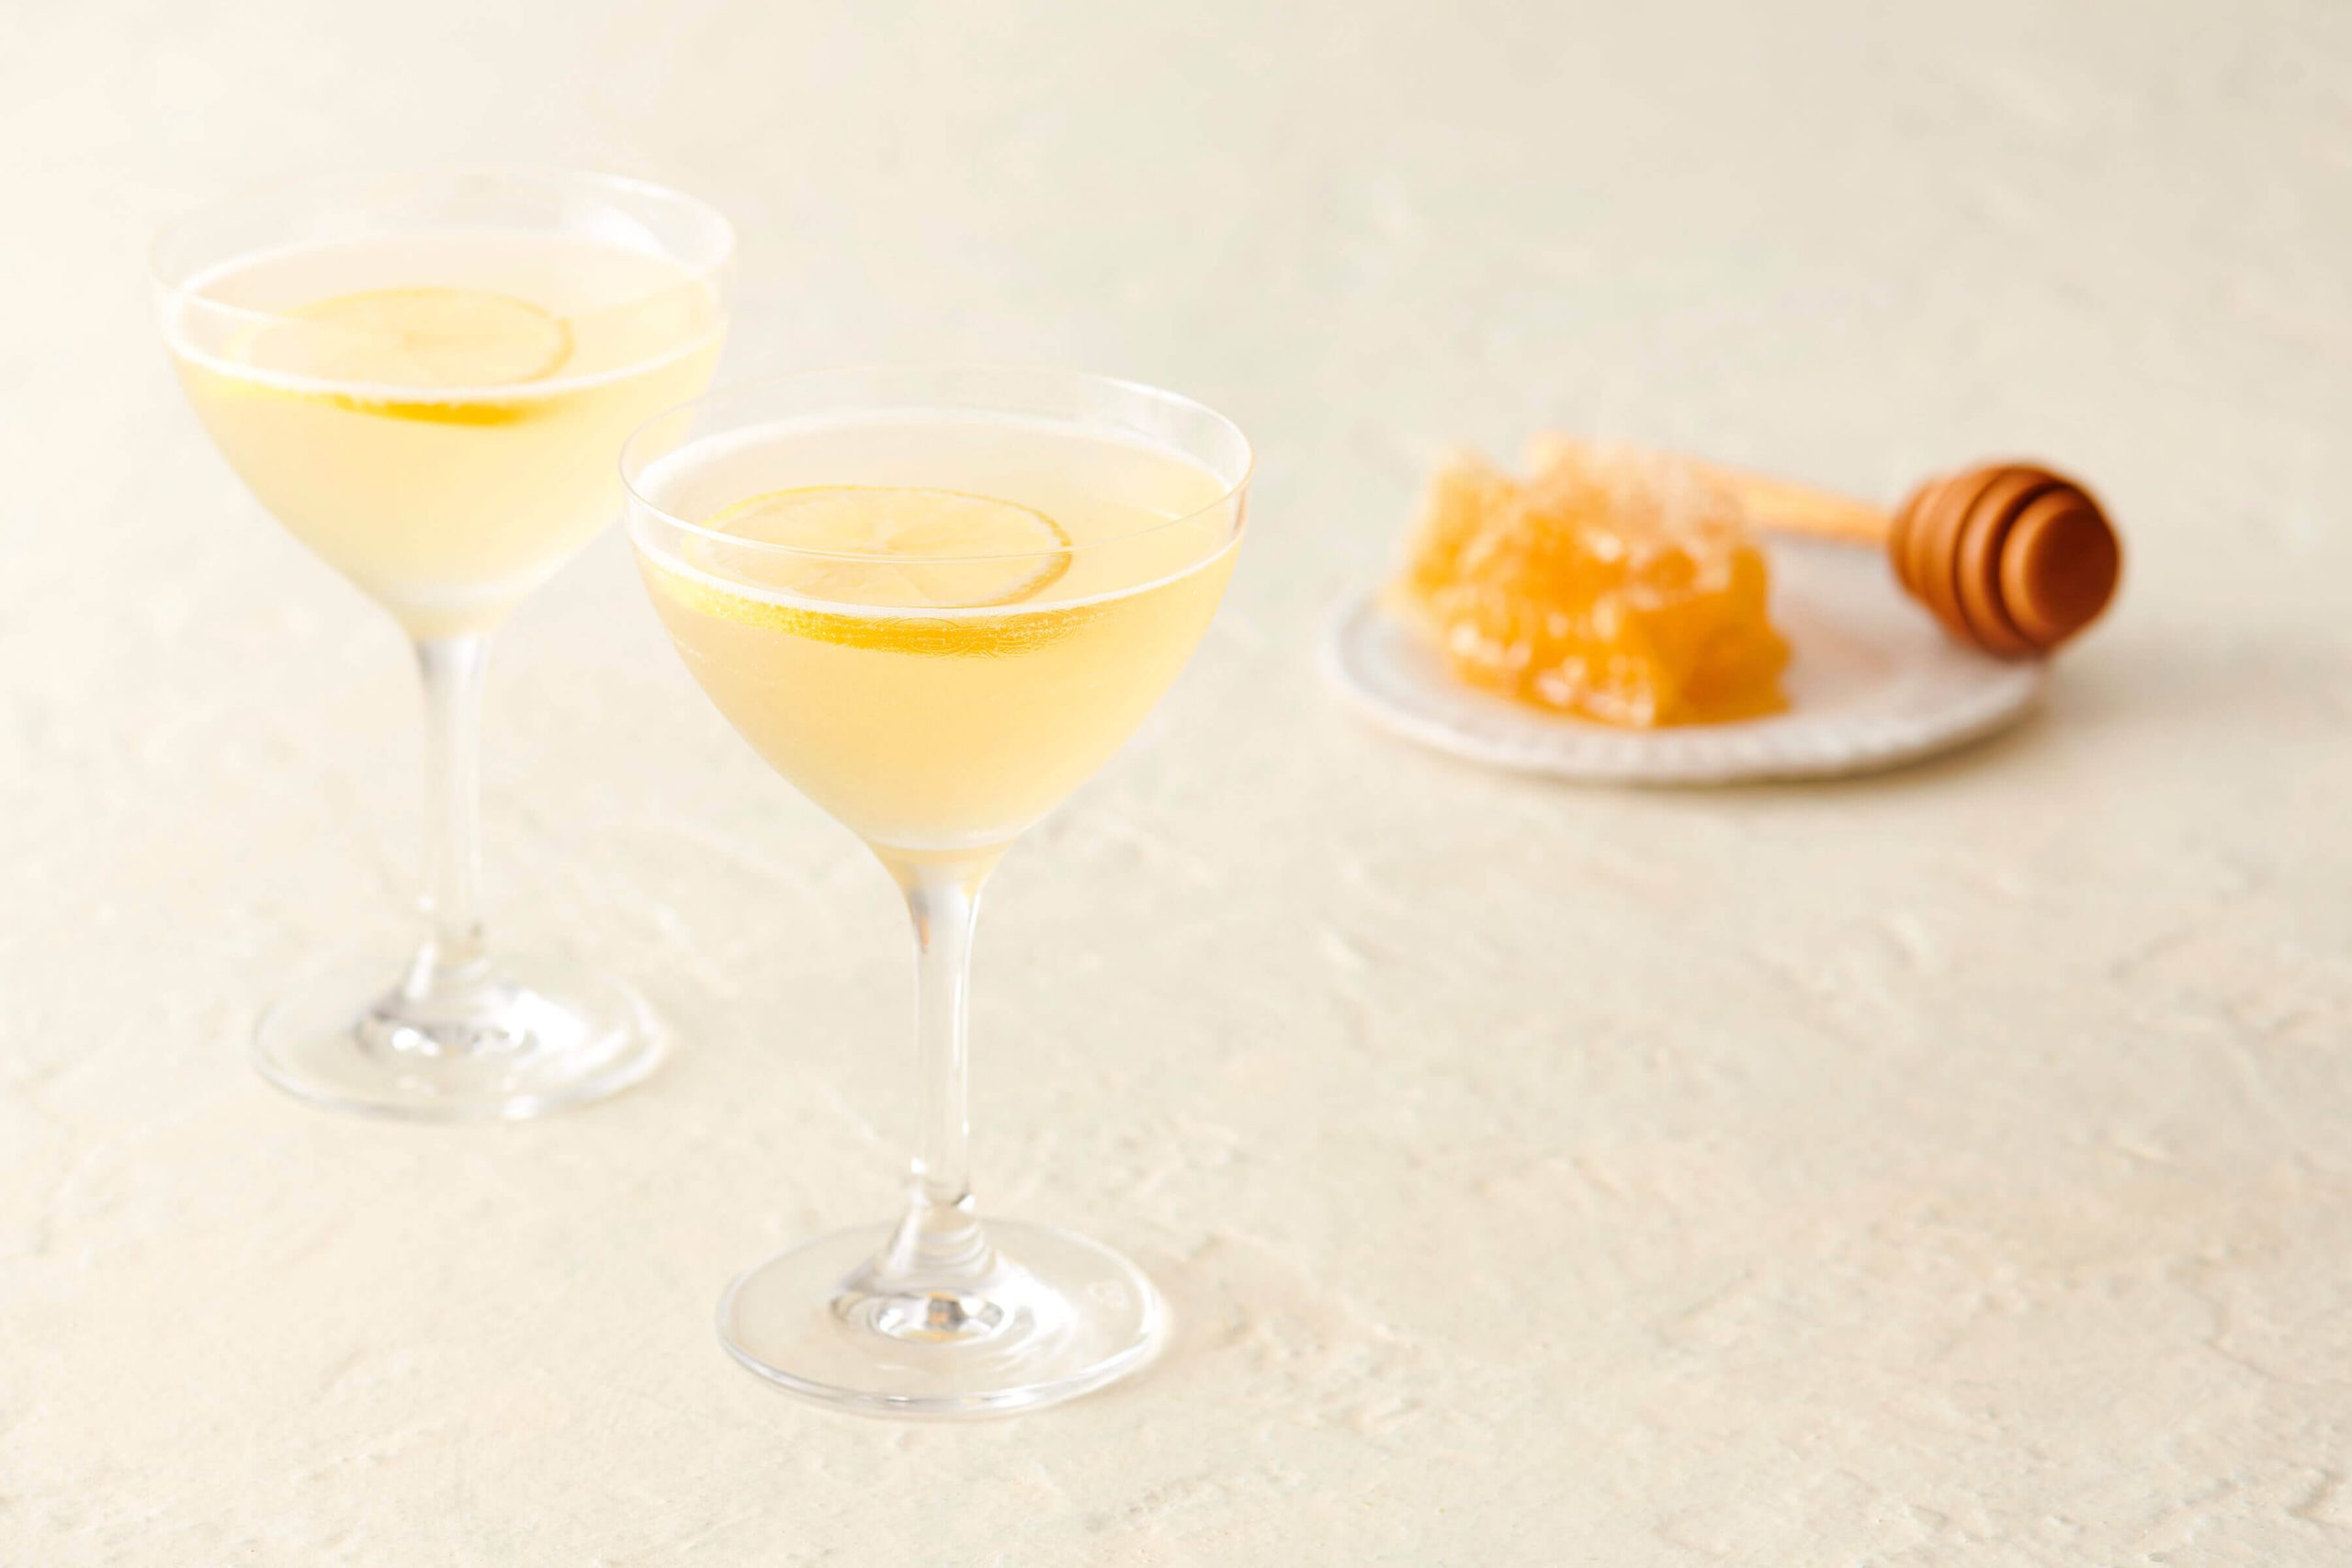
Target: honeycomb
point(1620, 586)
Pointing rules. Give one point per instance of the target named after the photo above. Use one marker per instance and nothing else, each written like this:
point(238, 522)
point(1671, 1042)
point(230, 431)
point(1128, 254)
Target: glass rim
point(705, 272)
point(639, 500)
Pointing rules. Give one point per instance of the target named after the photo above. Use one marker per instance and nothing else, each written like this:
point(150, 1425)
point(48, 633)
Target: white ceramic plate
point(1874, 681)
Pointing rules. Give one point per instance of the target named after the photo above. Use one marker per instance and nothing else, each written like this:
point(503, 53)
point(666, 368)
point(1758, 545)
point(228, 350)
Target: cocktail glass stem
point(459, 1033)
point(452, 967)
point(934, 1275)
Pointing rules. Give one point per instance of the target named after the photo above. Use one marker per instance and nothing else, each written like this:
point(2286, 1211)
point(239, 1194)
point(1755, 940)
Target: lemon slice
point(894, 547)
point(420, 338)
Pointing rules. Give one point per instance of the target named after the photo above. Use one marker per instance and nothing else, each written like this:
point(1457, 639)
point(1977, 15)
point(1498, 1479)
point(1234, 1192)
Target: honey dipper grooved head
point(2012, 557)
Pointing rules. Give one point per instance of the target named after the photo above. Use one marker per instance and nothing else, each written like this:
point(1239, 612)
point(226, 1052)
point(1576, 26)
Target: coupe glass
point(424, 377)
point(937, 600)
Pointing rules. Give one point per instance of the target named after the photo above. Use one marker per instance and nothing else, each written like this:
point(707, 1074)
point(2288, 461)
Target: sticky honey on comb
point(1618, 585)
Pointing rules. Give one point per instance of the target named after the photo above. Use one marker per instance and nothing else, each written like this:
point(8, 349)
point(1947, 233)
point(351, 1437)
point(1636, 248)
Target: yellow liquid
point(930, 727)
point(444, 497)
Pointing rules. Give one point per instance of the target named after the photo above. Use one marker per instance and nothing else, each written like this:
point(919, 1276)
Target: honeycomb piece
point(1620, 586)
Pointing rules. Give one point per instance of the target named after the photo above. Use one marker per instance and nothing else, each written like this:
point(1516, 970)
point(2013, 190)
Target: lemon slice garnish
point(894, 547)
point(419, 338)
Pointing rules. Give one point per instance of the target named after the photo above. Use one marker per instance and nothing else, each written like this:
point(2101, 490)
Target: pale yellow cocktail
point(937, 599)
point(1007, 602)
point(426, 376)
point(435, 413)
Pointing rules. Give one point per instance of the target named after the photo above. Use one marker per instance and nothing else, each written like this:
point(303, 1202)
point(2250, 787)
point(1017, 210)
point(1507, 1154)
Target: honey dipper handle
point(1787, 508)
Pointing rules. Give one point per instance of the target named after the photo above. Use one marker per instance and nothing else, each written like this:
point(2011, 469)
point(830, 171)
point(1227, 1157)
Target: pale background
point(1952, 1168)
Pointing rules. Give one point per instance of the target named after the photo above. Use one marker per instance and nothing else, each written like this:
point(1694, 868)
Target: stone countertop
point(1949, 1168)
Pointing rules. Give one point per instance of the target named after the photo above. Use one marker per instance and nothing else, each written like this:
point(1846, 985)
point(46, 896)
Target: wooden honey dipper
point(2012, 557)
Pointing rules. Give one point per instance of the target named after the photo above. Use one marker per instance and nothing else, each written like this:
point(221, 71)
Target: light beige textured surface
point(1954, 1169)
